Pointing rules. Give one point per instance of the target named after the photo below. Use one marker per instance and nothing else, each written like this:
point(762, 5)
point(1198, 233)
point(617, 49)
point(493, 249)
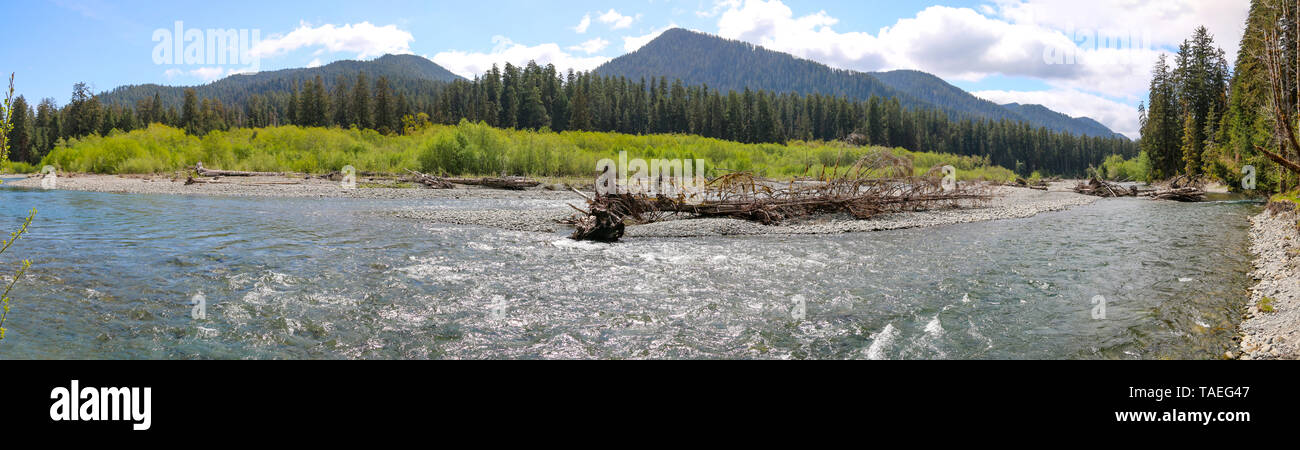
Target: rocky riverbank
point(292, 187)
point(1271, 329)
point(1008, 203)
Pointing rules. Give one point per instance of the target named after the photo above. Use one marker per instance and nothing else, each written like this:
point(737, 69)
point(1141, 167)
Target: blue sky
point(993, 48)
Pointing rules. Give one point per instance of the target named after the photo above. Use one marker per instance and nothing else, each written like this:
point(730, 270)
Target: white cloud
point(718, 7)
point(469, 64)
point(314, 63)
point(615, 20)
point(364, 39)
point(1017, 38)
point(208, 73)
point(591, 46)
point(1165, 22)
point(1120, 117)
point(583, 24)
point(633, 43)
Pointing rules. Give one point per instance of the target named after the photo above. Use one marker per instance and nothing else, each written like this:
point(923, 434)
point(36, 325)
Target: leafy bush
point(463, 149)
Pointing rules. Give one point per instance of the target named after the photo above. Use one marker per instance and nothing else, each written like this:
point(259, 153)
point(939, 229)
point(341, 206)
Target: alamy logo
point(211, 47)
point(102, 404)
point(51, 178)
point(1099, 310)
point(949, 182)
point(349, 177)
point(666, 177)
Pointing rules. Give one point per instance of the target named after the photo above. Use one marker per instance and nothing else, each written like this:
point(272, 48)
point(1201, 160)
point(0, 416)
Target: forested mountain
point(723, 64)
point(934, 91)
point(727, 65)
point(393, 94)
point(1042, 116)
point(408, 74)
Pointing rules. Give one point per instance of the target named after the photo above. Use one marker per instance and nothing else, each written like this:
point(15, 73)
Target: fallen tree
point(206, 172)
point(429, 181)
point(874, 185)
point(1102, 188)
point(1186, 194)
point(509, 183)
point(1181, 188)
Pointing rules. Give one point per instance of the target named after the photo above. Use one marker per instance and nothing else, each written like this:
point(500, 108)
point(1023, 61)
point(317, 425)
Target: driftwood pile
point(1103, 188)
point(878, 183)
point(206, 172)
point(1021, 182)
point(1180, 188)
point(508, 183)
point(429, 181)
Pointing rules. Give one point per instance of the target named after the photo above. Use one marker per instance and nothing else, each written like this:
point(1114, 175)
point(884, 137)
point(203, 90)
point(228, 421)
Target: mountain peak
point(411, 72)
point(729, 65)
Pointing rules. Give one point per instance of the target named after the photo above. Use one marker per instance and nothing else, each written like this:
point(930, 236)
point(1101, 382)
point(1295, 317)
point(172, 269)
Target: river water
point(114, 276)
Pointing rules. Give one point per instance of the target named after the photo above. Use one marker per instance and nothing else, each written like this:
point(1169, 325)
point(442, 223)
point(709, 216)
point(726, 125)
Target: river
point(114, 277)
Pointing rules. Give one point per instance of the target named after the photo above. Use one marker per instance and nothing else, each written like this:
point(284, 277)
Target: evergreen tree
point(384, 120)
point(361, 117)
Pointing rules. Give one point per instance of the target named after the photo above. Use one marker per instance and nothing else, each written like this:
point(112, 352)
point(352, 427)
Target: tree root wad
point(600, 225)
point(879, 183)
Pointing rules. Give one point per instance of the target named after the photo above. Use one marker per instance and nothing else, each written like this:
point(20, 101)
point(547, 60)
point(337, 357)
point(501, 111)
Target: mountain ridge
point(409, 73)
point(702, 58)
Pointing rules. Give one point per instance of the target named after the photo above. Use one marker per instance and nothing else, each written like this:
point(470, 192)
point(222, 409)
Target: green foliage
point(6, 121)
point(1249, 123)
point(22, 269)
point(1292, 197)
point(1133, 169)
point(1266, 304)
point(464, 149)
point(17, 167)
point(1182, 119)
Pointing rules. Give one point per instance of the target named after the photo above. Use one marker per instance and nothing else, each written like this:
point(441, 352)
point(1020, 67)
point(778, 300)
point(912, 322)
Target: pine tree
point(533, 113)
point(384, 121)
point(361, 117)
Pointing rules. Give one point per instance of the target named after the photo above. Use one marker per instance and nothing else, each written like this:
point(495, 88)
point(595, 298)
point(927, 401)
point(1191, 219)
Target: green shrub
point(469, 149)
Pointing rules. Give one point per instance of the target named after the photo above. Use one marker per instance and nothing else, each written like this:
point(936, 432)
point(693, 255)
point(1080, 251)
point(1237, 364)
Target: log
point(202, 171)
point(508, 183)
point(192, 180)
point(1184, 194)
point(429, 181)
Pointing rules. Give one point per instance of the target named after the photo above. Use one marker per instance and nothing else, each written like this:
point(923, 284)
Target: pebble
point(1263, 333)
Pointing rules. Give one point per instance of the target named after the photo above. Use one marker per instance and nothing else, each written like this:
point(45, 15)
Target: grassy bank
point(464, 149)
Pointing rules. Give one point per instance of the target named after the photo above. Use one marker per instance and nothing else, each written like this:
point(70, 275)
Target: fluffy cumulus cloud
point(1104, 47)
point(1119, 117)
point(583, 24)
point(615, 20)
point(1164, 23)
point(955, 43)
point(469, 64)
point(205, 74)
point(591, 46)
point(364, 39)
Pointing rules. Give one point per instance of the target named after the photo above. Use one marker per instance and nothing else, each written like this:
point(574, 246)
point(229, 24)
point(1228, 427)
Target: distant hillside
point(699, 58)
point(935, 91)
point(410, 74)
point(1039, 114)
